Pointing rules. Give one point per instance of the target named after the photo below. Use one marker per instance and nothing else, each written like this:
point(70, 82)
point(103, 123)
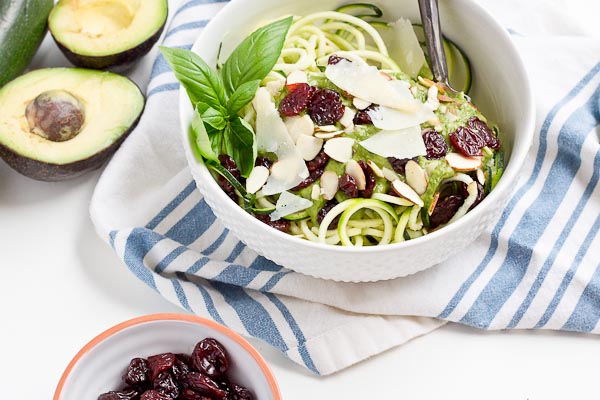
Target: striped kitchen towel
point(538, 267)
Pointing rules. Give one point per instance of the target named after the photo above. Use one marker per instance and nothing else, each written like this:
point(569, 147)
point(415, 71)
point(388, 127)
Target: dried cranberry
point(165, 384)
point(466, 141)
point(445, 209)
point(312, 177)
point(239, 393)
point(137, 372)
point(325, 107)
point(296, 100)
point(361, 118)
point(229, 164)
point(181, 367)
point(484, 131)
point(347, 184)
point(323, 212)
point(153, 395)
point(435, 144)
point(282, 225)
point(370, 178)
point(333, 59)
point(204, 384)
point(125, 394)
point(189, 394)
point(159, 363)
point(318, 162)
point(263, 161)
point(399, 164)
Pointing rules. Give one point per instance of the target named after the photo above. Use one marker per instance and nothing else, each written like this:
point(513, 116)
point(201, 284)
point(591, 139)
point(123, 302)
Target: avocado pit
point(56, 115)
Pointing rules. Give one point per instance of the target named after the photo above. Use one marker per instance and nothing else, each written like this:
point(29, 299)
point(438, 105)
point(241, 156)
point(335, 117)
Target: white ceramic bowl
point(500, 89)
point(98, 366)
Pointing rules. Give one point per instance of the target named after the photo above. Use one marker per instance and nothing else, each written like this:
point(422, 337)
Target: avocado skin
point(48, 172)
point(115, 62)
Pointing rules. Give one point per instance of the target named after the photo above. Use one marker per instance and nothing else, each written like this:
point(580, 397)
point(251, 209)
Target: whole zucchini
point(22, 28)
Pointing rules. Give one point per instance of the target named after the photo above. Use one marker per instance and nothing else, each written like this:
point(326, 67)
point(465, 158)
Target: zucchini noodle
point(384, 217)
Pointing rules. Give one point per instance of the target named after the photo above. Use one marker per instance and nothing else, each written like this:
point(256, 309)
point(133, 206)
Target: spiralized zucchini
point(359, 222)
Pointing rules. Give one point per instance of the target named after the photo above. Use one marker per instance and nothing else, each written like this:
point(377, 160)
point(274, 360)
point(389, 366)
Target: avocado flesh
point(113, 105)
point(107, 33)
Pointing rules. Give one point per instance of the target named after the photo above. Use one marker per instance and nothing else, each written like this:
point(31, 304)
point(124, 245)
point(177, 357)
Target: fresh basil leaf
point(201, 83)
point(242, 96)
point(255, 57)
point(202, 139)
point(240, 145)
point(212, 117)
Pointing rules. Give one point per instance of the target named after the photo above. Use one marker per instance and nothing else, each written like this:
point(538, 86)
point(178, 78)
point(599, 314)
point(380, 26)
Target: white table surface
point(60, 285)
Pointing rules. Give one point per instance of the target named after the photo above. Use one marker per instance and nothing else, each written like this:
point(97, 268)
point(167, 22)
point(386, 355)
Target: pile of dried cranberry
point(199, 376)
point(324, 106)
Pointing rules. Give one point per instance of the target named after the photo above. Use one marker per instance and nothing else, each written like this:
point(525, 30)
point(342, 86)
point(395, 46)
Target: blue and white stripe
point(538, 268)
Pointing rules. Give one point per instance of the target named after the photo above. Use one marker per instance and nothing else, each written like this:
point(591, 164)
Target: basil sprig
point(218, 97)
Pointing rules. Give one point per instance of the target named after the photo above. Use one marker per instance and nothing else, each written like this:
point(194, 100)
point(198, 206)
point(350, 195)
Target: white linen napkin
point(536, 268)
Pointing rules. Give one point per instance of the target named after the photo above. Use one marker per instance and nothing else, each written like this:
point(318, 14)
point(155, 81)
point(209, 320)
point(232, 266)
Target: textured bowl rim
point(170, 317)
point(516, 158)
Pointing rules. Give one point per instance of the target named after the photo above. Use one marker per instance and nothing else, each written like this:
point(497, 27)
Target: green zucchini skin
point(23, 26)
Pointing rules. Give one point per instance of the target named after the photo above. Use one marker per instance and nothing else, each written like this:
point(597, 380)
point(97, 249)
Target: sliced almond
point(274, 87)
point(429, 83)
point(309, 146)
point(348, 117)
point(340, 149)
point(403, 190)
point(328, 135)
point(463, 163)
point(329, 184)
point(354, 170)
point(434, 201)
point(445, 99)
point(326, 128)
point(375, 168)
point(480, 176)
point(257, 178)
point(299, 125)
point(360, 103)
point(425, 82)
point(295, 77)
point(416, 177)
point(315, 192)
point(386, 75)
point(388, 198)
point(389, 174)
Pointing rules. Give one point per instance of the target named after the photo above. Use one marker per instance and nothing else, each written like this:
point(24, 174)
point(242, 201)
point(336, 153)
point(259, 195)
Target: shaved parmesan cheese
point(403, 143)
point(389, 119)
point(288, 204)
point(364, 81)
point(405, 47)
point(286, 173)
point(272, 136)
point(432, 102)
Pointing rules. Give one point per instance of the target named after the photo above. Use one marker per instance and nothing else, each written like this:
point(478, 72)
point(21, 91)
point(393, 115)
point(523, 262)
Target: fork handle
point(430, 18)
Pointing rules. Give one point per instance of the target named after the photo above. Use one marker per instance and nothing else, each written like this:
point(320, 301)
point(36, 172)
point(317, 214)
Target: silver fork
point(430, 18)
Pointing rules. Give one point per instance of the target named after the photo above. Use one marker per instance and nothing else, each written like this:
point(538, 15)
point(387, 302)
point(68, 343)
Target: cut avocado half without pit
point(107, 33)
point(58, 123)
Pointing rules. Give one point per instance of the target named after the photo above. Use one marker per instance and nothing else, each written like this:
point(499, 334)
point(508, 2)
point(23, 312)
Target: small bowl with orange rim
point(164, 357)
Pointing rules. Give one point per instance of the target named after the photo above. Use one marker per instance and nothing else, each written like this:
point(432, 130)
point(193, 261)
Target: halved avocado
point(107, 33)
point(58, 123)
